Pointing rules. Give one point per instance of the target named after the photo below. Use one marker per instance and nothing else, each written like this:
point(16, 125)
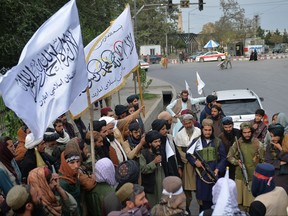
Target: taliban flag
point(50, 73)
point(110, 57)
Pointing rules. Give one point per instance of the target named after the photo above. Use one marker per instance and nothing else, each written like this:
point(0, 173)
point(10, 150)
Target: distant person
point(251, 56)
point(183, 103)
point(206, 112)
point(228, 60)
point(165, 62)
point(260, 128)
point(255, 54)
point(181, 57)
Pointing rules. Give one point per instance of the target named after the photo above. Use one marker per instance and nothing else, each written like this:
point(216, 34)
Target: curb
point(241, 58)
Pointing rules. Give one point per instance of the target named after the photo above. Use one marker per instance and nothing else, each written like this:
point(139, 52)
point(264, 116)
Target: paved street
point(268, 78)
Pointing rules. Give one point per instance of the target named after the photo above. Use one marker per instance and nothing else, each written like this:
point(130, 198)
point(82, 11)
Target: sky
point(273, 14)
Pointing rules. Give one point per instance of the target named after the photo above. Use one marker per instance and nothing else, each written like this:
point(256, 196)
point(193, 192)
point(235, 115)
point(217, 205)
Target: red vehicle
point(210, 56)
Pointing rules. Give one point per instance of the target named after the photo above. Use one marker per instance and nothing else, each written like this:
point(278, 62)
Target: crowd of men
point(153, 172)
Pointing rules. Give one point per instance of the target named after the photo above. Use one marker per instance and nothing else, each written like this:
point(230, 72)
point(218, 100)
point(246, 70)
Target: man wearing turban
point(277, 155)
point(253, 153)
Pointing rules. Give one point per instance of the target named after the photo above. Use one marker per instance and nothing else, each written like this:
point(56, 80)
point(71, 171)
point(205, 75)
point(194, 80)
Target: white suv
point(240, 104)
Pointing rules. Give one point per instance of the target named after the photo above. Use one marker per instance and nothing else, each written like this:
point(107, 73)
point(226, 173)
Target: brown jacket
point(20, 149)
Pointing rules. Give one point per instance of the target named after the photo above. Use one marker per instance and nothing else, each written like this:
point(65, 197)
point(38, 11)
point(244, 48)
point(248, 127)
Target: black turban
point(131, 98)
point(97, 125)
point(227, 120)
point(127, 171)
point(152, 135)
point(211, 98)
point(158, 124)
point(276, 129)
point(120, 109)
point(50, 136)
point(134, 126)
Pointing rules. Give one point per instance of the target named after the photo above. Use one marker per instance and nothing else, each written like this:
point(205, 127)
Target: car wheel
point(219, 59)
point(201, 60)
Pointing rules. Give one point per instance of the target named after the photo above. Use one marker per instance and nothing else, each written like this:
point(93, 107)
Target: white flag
point(223, 206)
point(187, 87)
point(110, 58)
point(200, 84)
point(50, 73)
point(169, 151)
point(197, 146)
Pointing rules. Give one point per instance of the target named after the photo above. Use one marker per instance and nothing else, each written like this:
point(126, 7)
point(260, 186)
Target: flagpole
point(203, 93)
point(91, 117)
point(140, 91)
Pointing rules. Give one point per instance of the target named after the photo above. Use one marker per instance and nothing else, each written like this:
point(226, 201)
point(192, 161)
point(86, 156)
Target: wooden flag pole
point(91, 117)
point(140, 91)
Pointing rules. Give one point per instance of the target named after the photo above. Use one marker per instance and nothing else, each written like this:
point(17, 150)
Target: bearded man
point(171, 160)
point(228, 138)
point(183, 103)
point(116, 151)
point(216, 116)
point(133, 100)
point(213, 153)
point(135, 141)
point(253, 153)
point(182, 140)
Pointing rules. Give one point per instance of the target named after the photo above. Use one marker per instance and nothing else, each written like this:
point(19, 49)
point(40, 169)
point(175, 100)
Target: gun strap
point(201, 177)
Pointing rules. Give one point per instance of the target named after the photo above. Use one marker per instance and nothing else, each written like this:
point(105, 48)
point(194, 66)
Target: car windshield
point(240, 107)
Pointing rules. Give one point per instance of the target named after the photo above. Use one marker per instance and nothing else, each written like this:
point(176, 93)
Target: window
point(240, 107)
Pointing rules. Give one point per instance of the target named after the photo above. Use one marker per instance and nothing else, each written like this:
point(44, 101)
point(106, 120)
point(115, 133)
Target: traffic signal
point(184, 3)
point(200, 4)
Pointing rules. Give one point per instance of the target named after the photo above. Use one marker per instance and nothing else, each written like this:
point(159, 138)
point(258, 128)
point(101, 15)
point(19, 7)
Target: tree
point(275, 39)
point(285, 36)
point(260, 32)
point(232, 25)
point(267, 38)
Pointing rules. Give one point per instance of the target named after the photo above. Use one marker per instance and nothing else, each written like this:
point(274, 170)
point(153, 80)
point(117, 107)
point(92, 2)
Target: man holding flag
point(183, 103)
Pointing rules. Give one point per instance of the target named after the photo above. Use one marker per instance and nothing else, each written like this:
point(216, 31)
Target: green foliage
point(144, 81)
point(149, 96)
point(260, 32)
point(9, 122)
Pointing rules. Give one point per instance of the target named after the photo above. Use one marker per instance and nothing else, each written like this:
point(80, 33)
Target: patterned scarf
point(133, 142)
point(67, 173)
point(40, 188)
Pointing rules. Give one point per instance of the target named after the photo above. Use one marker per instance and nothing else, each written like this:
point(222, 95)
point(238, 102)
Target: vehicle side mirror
point(261, 99)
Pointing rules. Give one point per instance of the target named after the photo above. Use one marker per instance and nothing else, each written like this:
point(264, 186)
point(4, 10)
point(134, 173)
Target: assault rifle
point(243, 168)
point(207, 170)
